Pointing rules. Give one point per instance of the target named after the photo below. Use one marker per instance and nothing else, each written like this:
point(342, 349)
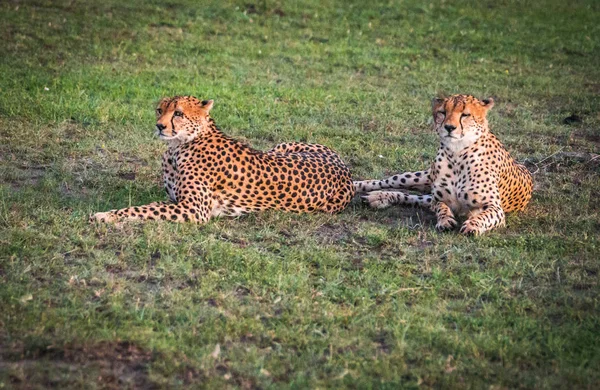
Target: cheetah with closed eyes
point(472, 174)
point(207, 174)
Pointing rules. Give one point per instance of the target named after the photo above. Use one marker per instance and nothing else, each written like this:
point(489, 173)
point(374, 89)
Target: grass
point(363, 299)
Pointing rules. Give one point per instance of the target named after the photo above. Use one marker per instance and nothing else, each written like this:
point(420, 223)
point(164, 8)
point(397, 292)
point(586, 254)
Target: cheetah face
point(182, 118)
point(460, 120)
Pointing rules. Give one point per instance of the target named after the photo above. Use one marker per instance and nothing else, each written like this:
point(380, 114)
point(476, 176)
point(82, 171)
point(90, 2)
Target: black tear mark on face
point(173, 125)
point(462, 128)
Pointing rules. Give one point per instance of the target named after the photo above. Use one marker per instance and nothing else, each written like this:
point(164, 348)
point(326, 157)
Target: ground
point(361, 299)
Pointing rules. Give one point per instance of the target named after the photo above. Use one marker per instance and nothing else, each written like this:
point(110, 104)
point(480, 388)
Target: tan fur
point(473, 175)
point(208, 174)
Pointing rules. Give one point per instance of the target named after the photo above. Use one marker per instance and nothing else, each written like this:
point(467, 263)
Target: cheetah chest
point(452, 184)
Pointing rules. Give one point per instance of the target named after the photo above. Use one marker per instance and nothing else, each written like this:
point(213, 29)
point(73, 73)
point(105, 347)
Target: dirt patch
point(108, 364)
point(357, 264)
point(113, 365)
point(330, 234)
point(572, 119)
point(129, 158)
point(127, 175)
point(591, 136)
point(584, 161)
point(370, 125)
point(242, 291)
point(593, 87)
point(114, 268)
point(252, 9)
point(239, 241)
point(508, 110)
point(24, 176)
point(383, 342)
point(74, 129)
point(411, 217)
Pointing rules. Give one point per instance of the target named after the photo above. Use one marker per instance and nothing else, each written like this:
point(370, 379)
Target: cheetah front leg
point(383, 199)
point(195, 206)
point(417, 181)
point(184, 211)
point(486, 218)
point(445, 216)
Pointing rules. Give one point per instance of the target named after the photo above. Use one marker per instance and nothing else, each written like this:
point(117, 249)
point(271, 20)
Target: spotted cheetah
point(472, 174)
point(208, 174)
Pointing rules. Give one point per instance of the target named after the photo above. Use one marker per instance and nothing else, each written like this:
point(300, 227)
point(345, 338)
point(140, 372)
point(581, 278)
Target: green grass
point(363, 299)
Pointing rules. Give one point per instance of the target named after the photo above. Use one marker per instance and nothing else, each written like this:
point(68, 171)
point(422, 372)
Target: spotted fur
point(472, 174)
point(207, 174)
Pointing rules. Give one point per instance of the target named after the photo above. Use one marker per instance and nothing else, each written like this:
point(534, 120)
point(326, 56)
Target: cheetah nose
point(160, 126)
point(449, 128)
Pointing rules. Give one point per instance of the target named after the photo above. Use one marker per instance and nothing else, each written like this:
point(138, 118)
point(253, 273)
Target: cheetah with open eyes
point(207, 174)
point(472, 174)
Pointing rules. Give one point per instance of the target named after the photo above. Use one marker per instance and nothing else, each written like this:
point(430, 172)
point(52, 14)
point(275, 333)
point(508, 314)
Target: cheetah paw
point(471, 228)
point(445, 224)
point(377, 199)
point(105, 217)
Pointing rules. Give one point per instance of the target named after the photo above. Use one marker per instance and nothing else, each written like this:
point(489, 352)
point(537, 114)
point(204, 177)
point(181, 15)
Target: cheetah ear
point(207, 105)
point(487, 103)
point(436, 103)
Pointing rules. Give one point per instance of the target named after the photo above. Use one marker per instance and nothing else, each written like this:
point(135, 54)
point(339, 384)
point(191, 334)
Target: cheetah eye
point(465, 115)
point(178, 113)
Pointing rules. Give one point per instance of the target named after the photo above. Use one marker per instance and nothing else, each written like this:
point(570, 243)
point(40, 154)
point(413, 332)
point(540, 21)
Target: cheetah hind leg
point(484, 220)
point(383, 199)
point(414, 181)
point(341, 199)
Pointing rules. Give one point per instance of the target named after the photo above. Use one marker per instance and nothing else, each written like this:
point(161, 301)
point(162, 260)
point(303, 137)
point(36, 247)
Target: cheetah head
point(181, 118)
point(460, 120)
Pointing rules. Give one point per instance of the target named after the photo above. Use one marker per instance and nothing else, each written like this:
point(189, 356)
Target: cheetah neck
point(457, 146)
point(178, 141)
point(208, 131)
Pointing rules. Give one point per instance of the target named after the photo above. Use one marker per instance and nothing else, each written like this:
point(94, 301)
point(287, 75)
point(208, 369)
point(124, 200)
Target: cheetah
point(473, 175)
point(208, 174)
